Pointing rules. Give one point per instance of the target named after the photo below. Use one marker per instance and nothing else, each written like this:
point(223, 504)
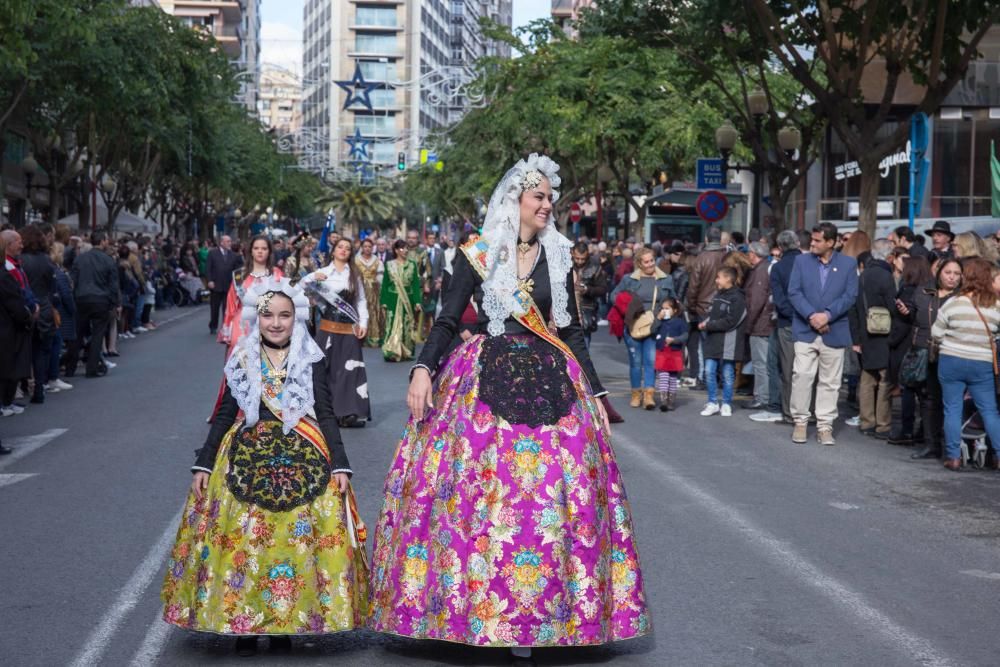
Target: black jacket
point(95, 278)
point(225, 417)
point(466, 283)
point(41, 274)
point(219, 269)
point(877, 286)
point(15, 330)
point(726, 326)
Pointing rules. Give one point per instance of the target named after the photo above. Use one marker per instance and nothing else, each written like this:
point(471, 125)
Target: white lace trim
point(243, 368)
point(500, 232)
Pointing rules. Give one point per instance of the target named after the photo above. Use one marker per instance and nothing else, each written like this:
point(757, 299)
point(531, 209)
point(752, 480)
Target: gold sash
point(532, 318)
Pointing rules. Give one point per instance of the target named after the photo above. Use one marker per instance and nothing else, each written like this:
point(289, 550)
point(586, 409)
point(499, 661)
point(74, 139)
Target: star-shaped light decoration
point(357, 89)
point(359, 145)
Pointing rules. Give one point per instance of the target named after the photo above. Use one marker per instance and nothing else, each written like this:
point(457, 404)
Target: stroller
point(976, 450)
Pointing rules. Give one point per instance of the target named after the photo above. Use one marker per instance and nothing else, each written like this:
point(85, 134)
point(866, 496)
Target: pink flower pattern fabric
point(500, 534)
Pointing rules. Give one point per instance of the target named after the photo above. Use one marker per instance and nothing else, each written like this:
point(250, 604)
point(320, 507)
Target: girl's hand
point(603, 414)
point(360, 332)
point(199, 484)
point(342, 480)
point(319, 275)
point(420, 394)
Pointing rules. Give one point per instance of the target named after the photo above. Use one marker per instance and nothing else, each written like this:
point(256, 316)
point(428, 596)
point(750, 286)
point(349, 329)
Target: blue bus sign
point(711, 173)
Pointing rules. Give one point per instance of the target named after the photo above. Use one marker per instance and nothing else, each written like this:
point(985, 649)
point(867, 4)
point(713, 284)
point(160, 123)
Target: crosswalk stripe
point(24, 445)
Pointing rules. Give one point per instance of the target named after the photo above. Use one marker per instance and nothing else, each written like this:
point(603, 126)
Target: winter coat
point(901, 333)
point(15, 330)
point(677, 328)
point(926, 304)
point(681, 281)
point(725, 326)
point(66, 305)
point(877, 286)
point(41, 273)
point(760, 310)
point(701, 280)
point(781, 273)
point(630, 283)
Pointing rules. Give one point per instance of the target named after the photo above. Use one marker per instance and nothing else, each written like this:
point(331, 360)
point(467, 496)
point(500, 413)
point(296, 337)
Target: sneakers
point(687, 383)
point(854, 421)
point(51, 388)
point(800, 433)
point(110, 364)
point(726, 411)
point(824, 436)
point(765, 416)
point(141, 329)
point(59, 384)
point(712, 409)
point(5, 411)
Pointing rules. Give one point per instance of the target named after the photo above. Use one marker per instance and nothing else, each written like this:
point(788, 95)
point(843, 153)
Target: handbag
point(913, 368)
point(993, 349)
point(878, 320)
point(642, 325)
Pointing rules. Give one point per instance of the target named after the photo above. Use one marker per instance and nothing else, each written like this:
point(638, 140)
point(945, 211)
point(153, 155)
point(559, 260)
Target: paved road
point(755, 551)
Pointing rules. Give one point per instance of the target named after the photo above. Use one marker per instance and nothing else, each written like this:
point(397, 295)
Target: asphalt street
point(755, 551)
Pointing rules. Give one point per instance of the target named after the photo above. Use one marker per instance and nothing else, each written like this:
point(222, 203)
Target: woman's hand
point(360, 332)
point(603, 414)
point(319, 275)
point(420, 394)
point(199, 484)
point(342, 480)
point(901, 307)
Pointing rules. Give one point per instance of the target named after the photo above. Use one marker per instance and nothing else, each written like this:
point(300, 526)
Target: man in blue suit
point(822, 290)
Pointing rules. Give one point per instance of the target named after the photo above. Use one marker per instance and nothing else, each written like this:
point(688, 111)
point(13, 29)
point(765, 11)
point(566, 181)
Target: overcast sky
point(281, 28)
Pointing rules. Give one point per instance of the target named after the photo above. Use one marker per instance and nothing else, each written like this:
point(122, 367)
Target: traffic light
point(401, 161)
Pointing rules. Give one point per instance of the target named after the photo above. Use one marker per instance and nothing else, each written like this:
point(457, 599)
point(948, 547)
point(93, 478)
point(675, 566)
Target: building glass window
point(375, 125)
point(951, 170)
point(375, 71)
point(375, 43)
point(380, 16)
point(383, 98)
point(384, 151)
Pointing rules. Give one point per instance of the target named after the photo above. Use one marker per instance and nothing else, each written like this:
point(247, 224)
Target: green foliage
point(361, 205)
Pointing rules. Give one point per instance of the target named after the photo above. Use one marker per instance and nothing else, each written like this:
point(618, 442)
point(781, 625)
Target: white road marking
point(844, 506)
point(915, 647)
point(982, 574)
point(153, 642)
point(14, 478)
point(130, 595)
point(26, 444)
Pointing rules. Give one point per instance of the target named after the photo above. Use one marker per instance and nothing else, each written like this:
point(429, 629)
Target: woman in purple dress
point(505, 520)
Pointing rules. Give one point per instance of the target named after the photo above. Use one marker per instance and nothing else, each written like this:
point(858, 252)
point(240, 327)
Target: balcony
point(376, 27)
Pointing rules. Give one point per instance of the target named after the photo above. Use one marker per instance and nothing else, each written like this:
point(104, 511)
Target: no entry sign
point(712, 206)
point(575, 213)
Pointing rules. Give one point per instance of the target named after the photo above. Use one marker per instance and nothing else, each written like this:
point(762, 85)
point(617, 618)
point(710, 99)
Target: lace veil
point(243, 368)
point(500, 231)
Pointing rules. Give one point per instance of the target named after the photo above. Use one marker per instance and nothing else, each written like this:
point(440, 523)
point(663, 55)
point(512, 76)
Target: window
point(381, 16)
point(383, 98)
point(376, 125)
point(384, 151)
point(375, 43)
point(376, 71)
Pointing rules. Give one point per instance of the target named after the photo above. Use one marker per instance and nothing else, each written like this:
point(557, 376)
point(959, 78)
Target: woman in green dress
point(401, 298)
point(270, 542)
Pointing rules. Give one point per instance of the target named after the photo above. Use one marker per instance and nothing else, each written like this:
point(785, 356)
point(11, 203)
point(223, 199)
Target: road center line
point(15, 477)
point(127, 599)
point(780, 552)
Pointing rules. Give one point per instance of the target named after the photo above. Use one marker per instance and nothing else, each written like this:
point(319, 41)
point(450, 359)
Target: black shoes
point(754, 405)
point(5, 450)
point(901, 440)
point(928, 452)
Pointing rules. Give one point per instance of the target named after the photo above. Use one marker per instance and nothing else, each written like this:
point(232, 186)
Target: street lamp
point(30, 166)
point(107, 184)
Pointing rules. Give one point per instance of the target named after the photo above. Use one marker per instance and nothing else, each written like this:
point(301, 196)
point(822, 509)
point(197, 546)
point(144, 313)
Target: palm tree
point(360, 204)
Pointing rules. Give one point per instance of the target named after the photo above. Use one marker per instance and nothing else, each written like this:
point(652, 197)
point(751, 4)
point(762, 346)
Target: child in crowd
point(671, 336)
point(724, 341)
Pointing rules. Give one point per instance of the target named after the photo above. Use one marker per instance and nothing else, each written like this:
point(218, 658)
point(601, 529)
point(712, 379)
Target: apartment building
point(401, 50)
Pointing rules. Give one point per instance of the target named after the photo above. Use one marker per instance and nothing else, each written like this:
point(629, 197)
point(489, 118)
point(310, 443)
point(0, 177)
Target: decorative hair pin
point(264, 301)
point(531, 180)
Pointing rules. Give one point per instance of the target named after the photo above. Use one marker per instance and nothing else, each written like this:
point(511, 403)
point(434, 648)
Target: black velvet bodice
point(466, 283)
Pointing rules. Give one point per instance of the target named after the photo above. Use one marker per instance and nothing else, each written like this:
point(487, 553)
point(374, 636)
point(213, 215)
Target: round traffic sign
point(575, 213)
point(712, 206)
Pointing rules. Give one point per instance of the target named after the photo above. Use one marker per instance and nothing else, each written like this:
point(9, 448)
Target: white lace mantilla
point(500, 231)
point(243, 370)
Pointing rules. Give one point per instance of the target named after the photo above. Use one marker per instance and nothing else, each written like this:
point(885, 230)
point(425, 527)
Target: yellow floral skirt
point(238, 568)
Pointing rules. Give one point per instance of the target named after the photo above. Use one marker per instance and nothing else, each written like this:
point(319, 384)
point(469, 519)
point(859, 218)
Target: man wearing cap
point(941, 237)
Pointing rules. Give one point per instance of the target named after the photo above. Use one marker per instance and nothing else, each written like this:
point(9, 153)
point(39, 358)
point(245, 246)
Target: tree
point(360, 204)
point(721, 48)
point(928, 42)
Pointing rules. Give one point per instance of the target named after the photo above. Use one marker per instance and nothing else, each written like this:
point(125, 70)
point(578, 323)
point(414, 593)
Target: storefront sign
point(851, 169)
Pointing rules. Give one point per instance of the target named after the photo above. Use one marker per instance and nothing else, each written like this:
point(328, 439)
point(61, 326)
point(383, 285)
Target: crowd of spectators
point(817, 327)
point(67, 301)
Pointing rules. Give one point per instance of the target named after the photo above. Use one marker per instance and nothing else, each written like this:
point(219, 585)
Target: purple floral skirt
point(505, 520)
